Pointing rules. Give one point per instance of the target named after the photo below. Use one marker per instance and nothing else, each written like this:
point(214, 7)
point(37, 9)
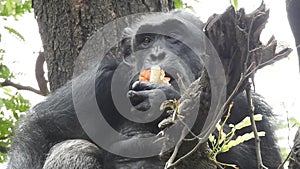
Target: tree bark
point(65, 25)
point(293, 13)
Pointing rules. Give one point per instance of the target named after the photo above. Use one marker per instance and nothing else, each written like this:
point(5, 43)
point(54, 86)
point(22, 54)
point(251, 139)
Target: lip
point(133, 79)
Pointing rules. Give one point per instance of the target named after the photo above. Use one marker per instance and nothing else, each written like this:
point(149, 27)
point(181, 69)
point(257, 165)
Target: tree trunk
point(293, 12)
point(65, 25)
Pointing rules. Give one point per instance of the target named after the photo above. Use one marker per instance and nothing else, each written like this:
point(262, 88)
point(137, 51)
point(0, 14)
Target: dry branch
point(40, 74)
point(235, 35)
point(20, 87)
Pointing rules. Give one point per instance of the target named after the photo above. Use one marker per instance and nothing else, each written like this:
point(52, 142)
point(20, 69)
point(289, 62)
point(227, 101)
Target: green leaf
point(27, 5)
point(14, 7)
point(7, 91)
point(212, 139)
point(190, 7)
point(246, 121)
point(2, 157)
point(1, 102)
point(5, 72)
point(241, 139)
point(16, 104)
point(178, 4)
point(13, 31)
point(295, 121)
point(8, 6)
point(235, 4)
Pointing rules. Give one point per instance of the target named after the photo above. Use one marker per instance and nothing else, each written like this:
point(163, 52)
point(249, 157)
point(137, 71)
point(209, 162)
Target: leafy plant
point(14, 32)
point(224, 141)
point(180, 4)
point(12, 104)
point(294, 122)
point(14, 7)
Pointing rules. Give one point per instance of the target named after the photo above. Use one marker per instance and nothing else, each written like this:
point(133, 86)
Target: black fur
point(51, 137)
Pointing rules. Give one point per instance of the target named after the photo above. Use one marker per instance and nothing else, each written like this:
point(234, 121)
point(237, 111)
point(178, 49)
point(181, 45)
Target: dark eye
point(146, 40)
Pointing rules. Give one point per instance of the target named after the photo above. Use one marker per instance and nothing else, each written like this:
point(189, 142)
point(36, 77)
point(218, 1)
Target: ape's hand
point(144, 95)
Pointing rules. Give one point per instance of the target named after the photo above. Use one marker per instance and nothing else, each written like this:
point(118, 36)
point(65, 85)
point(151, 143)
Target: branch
point(235, 36)
point(249, 97)
point(20, 87)
point(170, 163)
point(40, 74)
point(281, 166)
point(254, 129)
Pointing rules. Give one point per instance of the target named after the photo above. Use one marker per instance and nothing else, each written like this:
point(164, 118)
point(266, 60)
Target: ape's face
point(163, 43)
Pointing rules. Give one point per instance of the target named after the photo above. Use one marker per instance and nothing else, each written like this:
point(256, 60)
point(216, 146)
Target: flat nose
point(158, 54)
point(157, 57)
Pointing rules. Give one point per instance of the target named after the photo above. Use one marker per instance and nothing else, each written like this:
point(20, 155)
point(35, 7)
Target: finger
point(137, 97)
point(139, 86)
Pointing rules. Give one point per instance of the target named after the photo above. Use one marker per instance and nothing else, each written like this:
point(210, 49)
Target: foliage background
point(12, 103)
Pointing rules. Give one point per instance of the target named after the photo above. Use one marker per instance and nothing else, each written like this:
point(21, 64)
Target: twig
point(20, 87)
point(170, 163)
point(254, 129)
point(294, 161)
point(240, 61)
point(186, 155)
point(40, 74)
point(250, 101)
point(285, 160)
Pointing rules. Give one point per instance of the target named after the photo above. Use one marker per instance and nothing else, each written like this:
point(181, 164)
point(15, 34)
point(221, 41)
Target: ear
point(126, 47)
point(126, 42)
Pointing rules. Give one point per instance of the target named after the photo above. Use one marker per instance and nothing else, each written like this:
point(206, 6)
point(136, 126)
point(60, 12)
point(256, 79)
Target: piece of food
point(145, 76)
point(155, 75)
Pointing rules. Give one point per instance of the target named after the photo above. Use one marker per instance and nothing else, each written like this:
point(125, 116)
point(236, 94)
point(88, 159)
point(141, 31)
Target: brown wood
point(65, 25)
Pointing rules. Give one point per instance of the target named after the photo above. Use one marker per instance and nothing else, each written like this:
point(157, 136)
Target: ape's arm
point(48, 123)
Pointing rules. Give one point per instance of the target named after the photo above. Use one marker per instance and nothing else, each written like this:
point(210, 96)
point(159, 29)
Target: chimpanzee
point(51, 136)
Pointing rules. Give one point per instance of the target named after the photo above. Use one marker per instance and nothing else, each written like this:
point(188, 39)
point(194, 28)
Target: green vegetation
point(12, 104)
point(224, 141)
